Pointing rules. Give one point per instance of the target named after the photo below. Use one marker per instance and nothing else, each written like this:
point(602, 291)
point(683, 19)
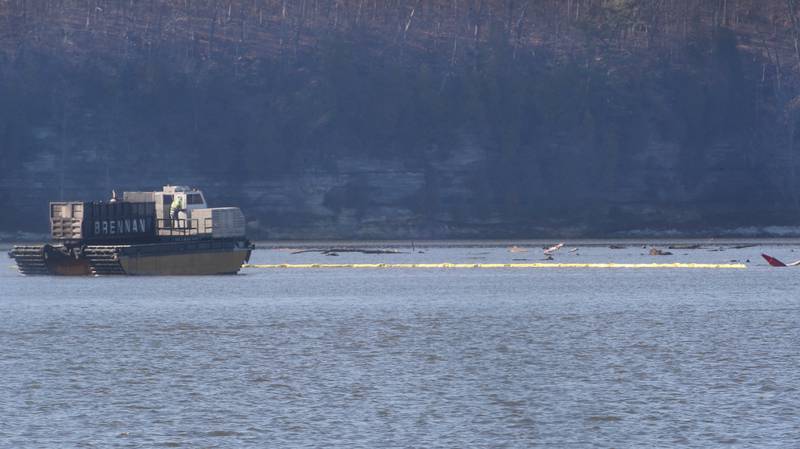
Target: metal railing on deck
point(184, 227)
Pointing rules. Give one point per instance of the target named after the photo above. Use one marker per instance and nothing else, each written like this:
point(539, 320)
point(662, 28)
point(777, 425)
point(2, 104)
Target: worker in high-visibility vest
point(175, 208)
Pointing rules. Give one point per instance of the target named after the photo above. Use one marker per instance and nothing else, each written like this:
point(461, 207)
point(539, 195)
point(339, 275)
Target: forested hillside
point(410, 118)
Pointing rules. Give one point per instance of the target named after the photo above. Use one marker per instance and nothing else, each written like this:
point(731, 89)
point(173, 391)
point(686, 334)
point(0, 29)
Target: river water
point(408, 358)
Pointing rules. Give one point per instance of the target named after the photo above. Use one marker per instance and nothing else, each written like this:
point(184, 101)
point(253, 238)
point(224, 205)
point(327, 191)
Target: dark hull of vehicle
point(183, 257)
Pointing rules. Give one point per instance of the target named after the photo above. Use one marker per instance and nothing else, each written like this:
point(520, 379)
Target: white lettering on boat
point(121, 226)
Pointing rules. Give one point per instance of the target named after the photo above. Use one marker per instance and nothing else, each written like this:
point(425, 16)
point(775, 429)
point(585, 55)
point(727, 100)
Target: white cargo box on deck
point(220, 222)
point(139, 197)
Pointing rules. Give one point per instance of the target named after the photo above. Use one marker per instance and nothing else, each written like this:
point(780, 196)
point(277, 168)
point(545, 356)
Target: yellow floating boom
point(502, 265)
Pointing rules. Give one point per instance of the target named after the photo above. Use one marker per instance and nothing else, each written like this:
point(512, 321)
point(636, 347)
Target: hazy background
point(408, 118)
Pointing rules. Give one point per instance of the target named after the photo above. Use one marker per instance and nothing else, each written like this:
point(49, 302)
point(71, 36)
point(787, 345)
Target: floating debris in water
point(553, 248)
point(686, 246)
point(658, 252)
point(347, 250)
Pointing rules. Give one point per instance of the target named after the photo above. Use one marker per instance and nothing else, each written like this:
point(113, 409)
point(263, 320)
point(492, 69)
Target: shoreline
point(681, 243)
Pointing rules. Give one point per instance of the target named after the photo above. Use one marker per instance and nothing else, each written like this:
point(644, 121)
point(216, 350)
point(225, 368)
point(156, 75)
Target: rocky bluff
point(409, 119)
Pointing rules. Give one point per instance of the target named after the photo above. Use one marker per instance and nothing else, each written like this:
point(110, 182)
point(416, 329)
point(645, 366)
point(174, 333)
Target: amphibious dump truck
point(168, 232)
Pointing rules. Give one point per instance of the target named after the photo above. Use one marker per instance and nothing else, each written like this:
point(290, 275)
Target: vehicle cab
point(195, 217)
point(191, 199)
